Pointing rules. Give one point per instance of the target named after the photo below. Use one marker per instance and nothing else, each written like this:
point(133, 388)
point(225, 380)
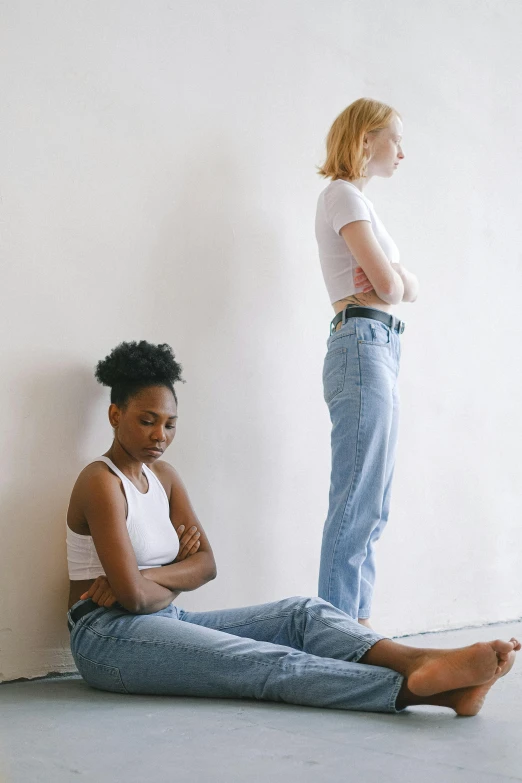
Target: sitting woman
point(134, 544)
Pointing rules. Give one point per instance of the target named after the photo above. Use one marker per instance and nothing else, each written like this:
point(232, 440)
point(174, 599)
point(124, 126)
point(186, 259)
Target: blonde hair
point(345, 157)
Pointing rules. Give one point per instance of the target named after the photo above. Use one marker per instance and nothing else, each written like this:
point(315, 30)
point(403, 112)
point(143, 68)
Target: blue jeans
point(299, 650)
point(360, 389)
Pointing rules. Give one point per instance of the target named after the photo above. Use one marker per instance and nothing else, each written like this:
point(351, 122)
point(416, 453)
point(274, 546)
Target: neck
point(124, 461)
point(360, 183)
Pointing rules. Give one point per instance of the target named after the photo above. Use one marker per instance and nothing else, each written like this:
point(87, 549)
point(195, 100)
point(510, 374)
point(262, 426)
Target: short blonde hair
point(345, 158)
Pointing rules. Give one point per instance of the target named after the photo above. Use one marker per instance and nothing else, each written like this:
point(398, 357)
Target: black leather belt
point(80, 611)
point(354, 311)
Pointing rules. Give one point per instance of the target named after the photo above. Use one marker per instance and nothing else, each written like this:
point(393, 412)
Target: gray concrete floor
point(61, 731)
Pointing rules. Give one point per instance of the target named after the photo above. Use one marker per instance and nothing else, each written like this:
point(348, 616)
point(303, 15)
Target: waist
point(79, 610)
point(357, 311)
point(369, 299)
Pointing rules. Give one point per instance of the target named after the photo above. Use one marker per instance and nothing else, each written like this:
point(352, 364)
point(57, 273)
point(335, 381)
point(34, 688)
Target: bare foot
point(436, 671)
point(504, 658)
point(464, 701)
point(469, 701)
point(365, 621)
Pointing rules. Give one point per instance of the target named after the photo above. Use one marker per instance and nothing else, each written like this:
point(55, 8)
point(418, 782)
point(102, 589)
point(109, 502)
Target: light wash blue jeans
point(360, 388)
point(299, 650)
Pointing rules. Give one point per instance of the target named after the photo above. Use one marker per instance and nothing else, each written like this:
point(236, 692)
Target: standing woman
point(364, 279)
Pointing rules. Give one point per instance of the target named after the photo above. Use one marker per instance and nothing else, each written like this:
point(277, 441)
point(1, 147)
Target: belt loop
point(343, 319)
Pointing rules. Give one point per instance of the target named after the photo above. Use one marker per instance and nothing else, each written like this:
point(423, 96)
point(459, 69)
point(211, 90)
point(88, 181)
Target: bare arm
point(103, 502)
point(197, 569)
point(410, 282)
point(386, 281)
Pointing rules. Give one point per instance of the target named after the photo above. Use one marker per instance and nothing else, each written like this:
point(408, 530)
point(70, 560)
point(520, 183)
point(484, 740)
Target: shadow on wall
point(52, 410)
point(216, 268)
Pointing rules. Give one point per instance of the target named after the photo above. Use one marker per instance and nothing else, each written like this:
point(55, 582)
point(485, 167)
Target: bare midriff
point(77, 588)
point(363, 300)
point(78, 524)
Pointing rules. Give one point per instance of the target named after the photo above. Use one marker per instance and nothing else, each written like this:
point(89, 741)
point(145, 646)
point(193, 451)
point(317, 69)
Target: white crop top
point(152, 534)
point(341, 203)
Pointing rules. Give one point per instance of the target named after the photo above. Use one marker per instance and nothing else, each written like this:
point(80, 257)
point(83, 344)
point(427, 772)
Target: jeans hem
point(393, 698)
point(367, 646)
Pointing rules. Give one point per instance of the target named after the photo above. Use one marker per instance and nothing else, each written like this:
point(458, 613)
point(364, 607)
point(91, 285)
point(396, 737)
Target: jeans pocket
point(334, 373)
point(98, 675)
point(373, 333)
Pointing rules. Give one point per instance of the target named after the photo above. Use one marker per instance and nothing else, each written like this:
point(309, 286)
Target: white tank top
point(152, 534)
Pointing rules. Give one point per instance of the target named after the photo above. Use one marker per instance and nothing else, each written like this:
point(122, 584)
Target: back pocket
point(98, 675)
point(334, 373)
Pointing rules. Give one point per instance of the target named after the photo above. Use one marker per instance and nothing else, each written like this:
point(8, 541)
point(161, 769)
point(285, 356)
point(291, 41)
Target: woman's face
point(146, 426)
point(384, 149)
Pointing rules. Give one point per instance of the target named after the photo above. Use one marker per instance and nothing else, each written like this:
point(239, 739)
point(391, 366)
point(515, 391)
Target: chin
point(387, 173)
point(149, 459)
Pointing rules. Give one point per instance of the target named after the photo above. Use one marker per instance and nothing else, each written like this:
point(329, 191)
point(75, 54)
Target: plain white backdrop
point(158, 182)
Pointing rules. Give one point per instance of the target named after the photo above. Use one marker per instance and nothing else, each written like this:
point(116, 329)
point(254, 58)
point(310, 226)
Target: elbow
point(391, 295)
point(392, 291)
point(212, 571)
point(133, 601)
point(414, 292)
point(134, 606)
point(210, 568)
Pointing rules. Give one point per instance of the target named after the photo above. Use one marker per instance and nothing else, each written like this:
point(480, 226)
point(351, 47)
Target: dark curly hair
point(131, 367)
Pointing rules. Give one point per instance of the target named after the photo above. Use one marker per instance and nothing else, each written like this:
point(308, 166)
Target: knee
point(305, 603)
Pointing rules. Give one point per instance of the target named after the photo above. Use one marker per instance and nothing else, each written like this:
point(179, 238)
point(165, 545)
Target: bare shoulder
point(96, 476)
point(168, 476)
point(94, 470)
point(95, 488)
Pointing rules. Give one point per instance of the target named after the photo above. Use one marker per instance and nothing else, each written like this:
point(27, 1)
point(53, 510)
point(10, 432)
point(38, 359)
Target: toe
point(501, 647)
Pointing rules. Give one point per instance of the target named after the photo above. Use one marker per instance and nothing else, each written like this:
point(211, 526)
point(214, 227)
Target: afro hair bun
point(138, 364)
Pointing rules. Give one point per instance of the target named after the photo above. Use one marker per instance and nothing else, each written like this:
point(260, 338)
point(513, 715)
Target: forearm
point(411, 287)
point(151, 597)
point(392, 291)
point(410, 282)
point(189, 574)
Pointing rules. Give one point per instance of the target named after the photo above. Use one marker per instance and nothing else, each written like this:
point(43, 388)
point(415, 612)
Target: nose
point(159, 435)
point(400, 154)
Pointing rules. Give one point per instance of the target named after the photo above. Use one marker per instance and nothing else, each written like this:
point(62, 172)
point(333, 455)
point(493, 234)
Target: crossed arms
point(152, 589)
point(391, 282)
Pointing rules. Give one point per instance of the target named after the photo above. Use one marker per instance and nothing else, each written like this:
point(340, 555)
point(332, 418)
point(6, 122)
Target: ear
point(114, 415)
point(366, 142)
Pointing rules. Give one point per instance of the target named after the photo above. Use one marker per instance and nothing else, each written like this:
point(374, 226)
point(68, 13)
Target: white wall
point(158, 182)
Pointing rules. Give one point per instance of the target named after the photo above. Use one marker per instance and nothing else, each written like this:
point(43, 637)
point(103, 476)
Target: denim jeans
point(360, 389)
point(299, 650)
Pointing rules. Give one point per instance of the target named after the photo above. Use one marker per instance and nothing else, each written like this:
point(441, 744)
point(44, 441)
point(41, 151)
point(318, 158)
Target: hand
point(100, 592)
point(361, 281)
point(188, 542)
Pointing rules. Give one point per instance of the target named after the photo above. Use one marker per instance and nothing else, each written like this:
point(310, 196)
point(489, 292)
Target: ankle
point(413, 660)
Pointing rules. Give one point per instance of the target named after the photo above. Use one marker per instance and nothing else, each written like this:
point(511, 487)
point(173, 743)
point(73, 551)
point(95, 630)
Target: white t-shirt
point(341, 203)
